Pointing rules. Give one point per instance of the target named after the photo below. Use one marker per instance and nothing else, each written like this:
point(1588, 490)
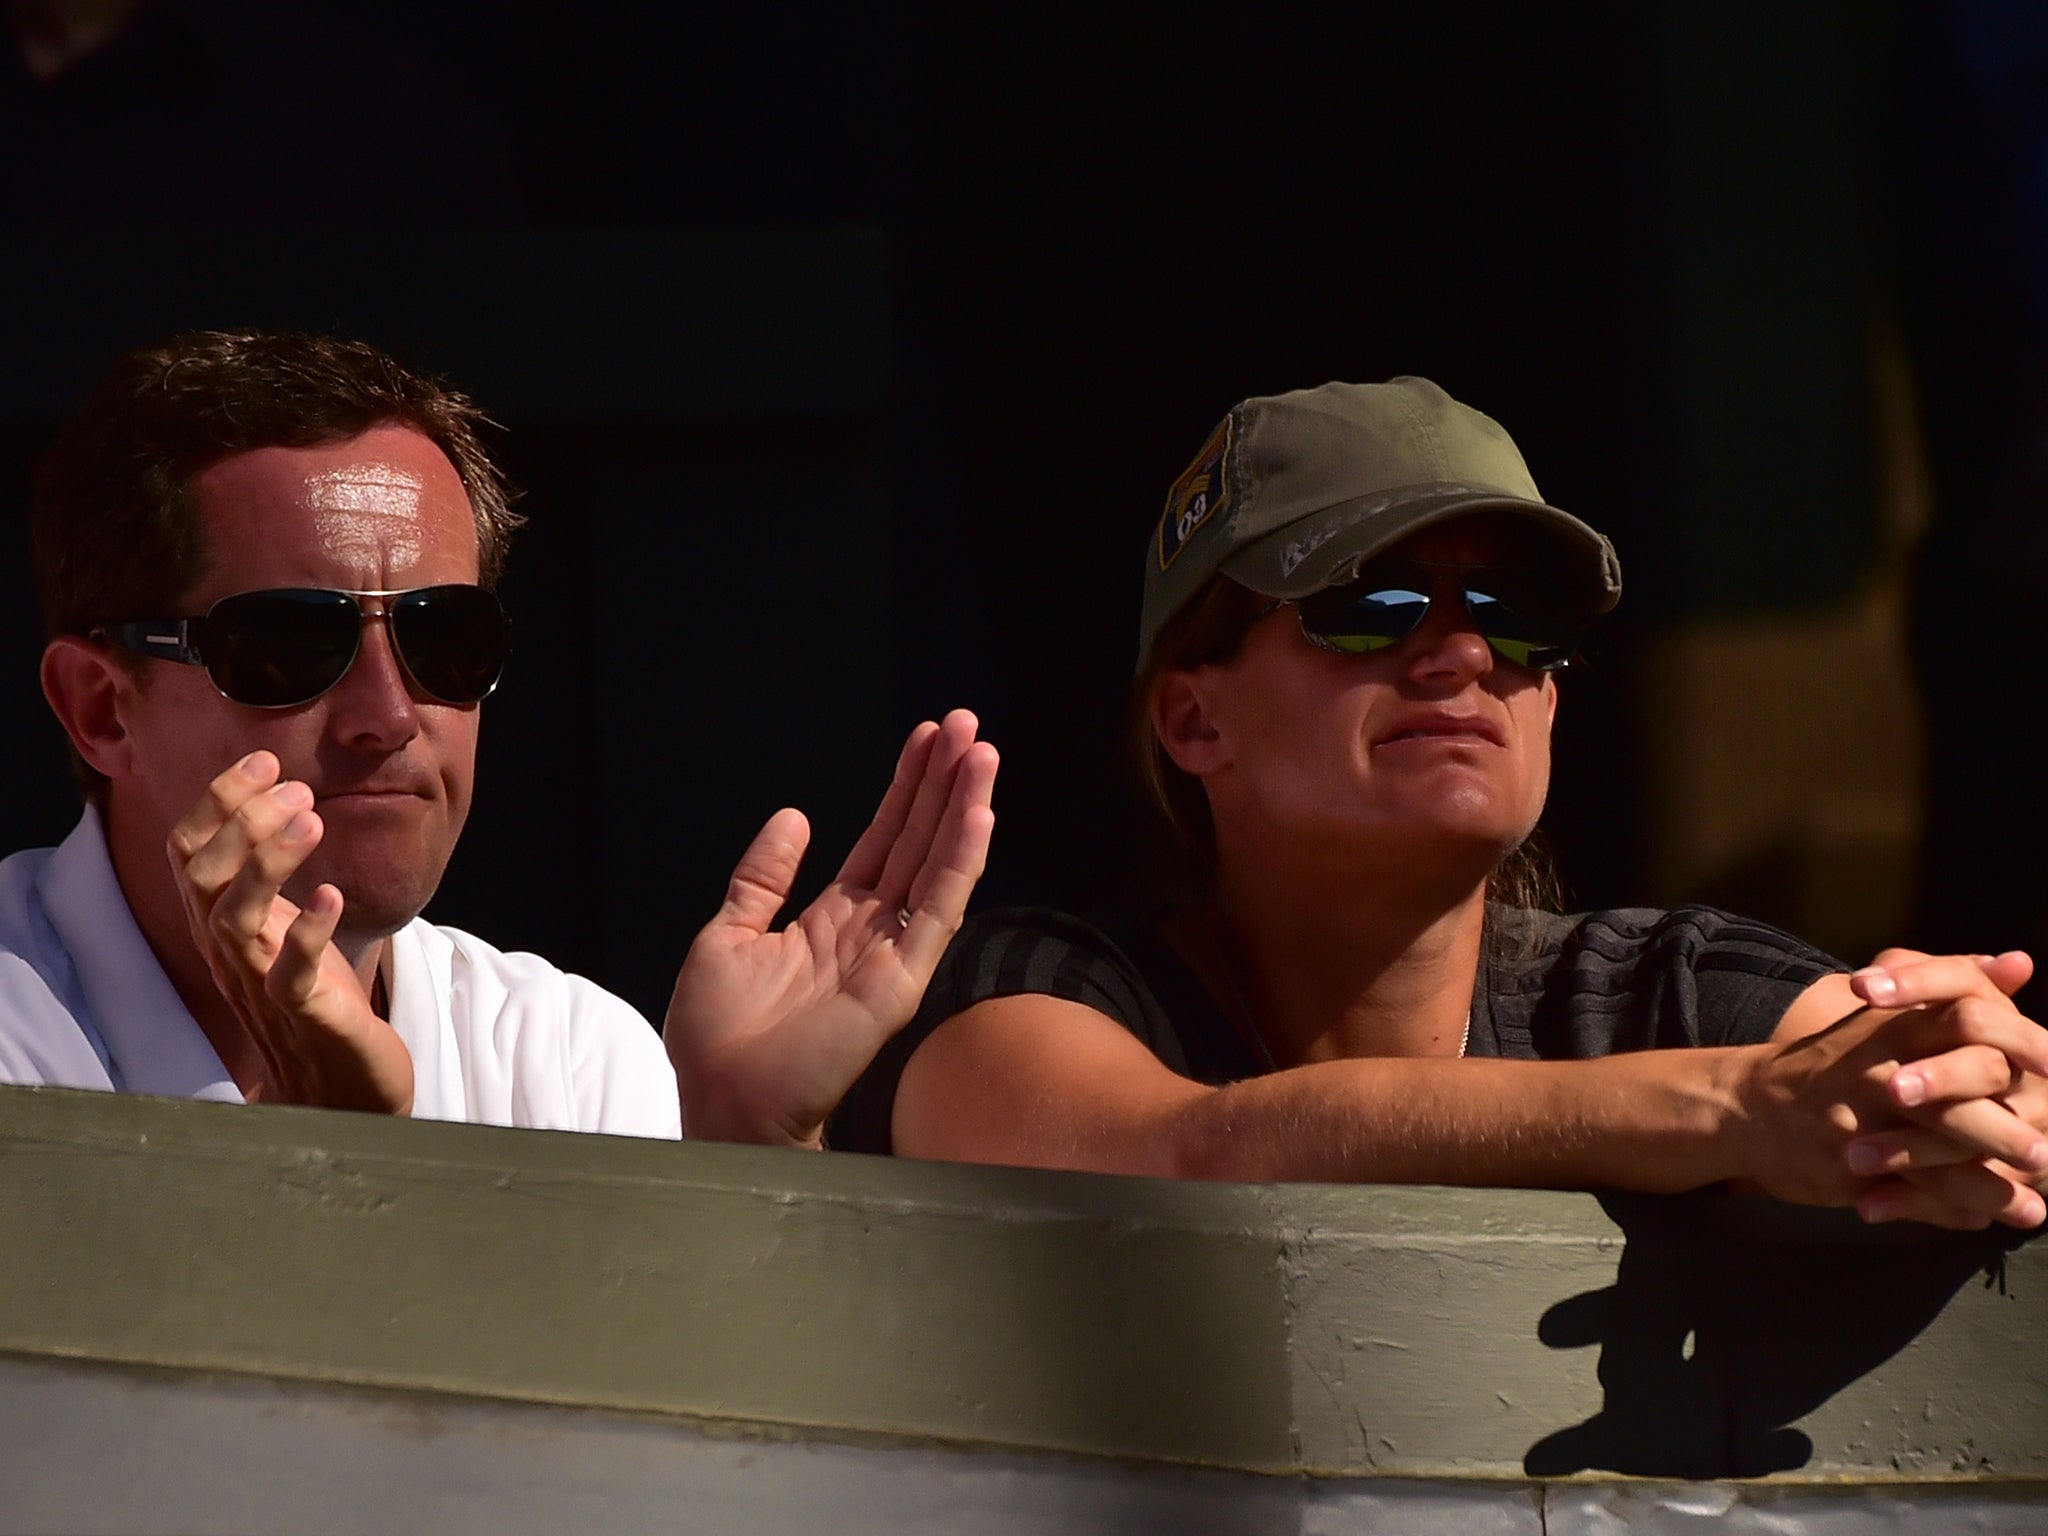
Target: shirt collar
point(154, 1043)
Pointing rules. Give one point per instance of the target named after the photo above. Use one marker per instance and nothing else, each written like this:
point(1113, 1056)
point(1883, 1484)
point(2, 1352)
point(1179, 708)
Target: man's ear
point(1184, 721)
point(1550, 695)
point(86, 686)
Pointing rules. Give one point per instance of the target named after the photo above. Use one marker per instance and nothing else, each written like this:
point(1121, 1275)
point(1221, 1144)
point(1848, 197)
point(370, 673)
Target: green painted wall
point(1411, 1332)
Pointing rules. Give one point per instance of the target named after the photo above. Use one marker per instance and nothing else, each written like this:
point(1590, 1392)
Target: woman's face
point(1433, 746)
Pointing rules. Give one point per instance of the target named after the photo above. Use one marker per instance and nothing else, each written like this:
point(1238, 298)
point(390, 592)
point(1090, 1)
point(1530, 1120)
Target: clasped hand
point(1929, 1103)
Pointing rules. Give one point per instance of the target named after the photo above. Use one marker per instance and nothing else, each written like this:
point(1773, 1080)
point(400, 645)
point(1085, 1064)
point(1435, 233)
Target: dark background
point(845, 352)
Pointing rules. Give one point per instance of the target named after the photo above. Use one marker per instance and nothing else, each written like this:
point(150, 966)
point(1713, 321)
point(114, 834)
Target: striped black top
point(1551, 988)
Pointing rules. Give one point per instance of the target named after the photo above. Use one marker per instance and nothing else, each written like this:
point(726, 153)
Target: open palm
point(768, 1029)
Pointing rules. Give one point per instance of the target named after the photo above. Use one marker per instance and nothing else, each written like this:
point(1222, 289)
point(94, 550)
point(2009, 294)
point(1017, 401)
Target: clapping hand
point(768, 1029)
point(301, 1004)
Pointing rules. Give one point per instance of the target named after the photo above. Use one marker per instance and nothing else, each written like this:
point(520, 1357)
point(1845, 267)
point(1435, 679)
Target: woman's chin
point(1472, 818)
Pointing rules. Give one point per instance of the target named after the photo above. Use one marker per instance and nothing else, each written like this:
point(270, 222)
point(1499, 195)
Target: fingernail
point(291, 794)
point(1876, 1208)
point(253, 766)
point(1909, 1088)
point(1863, 1158)
point(1878, 986)
point(2035, 1158)
point(298, 829)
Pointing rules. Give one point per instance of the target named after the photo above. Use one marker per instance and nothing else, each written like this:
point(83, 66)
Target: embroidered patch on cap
point(1196, 496)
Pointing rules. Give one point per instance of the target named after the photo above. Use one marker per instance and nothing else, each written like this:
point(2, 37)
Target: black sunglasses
point(1381, 608)
point(288, 645)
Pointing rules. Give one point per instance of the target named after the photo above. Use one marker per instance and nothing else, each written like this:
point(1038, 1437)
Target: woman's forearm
point(1656, 1121)
point(1046, 1083)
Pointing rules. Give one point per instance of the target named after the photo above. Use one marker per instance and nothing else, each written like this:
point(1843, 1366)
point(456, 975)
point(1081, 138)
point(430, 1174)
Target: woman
point(1356, 603)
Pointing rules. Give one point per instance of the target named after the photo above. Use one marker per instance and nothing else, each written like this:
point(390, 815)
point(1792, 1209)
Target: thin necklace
point(1249, 1025)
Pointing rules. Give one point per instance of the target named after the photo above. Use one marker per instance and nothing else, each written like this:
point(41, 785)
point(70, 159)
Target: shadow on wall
point(1730, 1318)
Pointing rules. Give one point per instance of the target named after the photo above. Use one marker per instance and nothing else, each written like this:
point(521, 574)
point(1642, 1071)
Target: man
point(265, 565)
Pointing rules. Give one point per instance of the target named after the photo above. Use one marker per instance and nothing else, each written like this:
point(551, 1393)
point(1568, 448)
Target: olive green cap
point(1292, 493)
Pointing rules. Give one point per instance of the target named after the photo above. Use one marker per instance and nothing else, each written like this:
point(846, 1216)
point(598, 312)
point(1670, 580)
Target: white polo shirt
point(503, 1039)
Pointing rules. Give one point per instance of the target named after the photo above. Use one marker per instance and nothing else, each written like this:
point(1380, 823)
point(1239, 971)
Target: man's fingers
point(224, 796)
point(765, 872)
point(296, 971)
point(229, 883)
point(248, 915)
point(864, 864)
point(913, 844)
point(209, 869)
point(933, 924)
point(938, 897)
point(959, 844)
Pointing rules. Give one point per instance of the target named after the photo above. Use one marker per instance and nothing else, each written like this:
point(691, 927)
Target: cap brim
point(1326, 547)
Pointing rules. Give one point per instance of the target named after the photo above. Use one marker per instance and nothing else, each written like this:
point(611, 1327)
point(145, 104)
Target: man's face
point(390, 769)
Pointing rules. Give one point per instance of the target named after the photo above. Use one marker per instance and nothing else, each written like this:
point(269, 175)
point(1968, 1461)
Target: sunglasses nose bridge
point(1448, 610)
point(375, 611)
point(378, 682)
point(1447, 635)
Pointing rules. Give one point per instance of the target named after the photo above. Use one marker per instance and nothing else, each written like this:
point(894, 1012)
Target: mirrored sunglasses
point(1379, 609)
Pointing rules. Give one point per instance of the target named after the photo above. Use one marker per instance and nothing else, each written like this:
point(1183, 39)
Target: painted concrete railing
point(226, 1318)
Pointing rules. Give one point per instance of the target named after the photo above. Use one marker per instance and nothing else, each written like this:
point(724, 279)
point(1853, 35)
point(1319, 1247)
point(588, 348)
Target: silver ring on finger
point(903, 917)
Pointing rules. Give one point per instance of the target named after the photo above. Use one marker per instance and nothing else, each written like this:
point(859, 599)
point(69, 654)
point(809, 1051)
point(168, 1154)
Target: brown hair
point(1210, 629)
point(115, 535)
